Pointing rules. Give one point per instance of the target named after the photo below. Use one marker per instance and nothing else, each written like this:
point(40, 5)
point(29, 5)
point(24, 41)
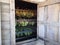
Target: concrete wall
point(49, 2)
point(0, 23)
point(49, 20)
point(7, 22)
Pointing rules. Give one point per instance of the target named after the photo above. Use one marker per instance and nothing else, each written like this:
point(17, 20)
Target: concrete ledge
point(49, 41)
point(49, 2)
point(26, 41)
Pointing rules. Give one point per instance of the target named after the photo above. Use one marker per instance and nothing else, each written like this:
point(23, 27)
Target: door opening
point(26, 20)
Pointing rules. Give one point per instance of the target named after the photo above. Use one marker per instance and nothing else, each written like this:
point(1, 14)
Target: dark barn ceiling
point(25, 5)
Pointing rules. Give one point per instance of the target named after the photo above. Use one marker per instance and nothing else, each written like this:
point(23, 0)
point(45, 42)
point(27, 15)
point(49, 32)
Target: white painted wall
point(7, 22)
point(40, 19)
point(52, 30)
point(47, 15)
point(40, 14)
point(53, 11)
point(0, 23)
point(52, 33)
point(48, 22)
point(59, 23)
point(41, 30)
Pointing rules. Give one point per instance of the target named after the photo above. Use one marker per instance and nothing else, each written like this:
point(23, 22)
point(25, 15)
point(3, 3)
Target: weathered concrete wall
point(0, 23)
point(5, 24)
point(8, 22)
point(49, 2)
point(12, 21)
point(49, 20)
